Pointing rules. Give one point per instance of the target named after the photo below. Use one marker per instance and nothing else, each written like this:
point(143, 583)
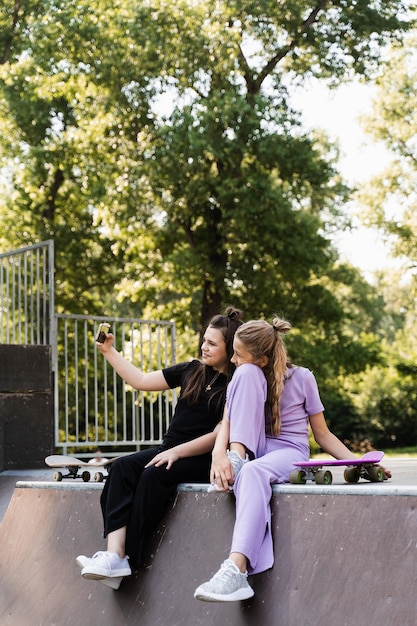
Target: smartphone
point(103, 329)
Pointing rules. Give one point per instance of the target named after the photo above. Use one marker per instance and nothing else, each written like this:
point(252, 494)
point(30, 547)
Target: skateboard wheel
point(85, 476)
point(376, 474)
point(58, 476)
point(298, 477)
point(323, 477)
point(98, 477)
point(351, 475)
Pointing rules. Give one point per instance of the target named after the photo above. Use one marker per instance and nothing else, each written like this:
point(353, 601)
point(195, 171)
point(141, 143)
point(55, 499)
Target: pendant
point(213, 380)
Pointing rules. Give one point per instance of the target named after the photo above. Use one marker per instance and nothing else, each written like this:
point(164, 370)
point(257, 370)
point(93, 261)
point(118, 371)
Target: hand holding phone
point(102, 332)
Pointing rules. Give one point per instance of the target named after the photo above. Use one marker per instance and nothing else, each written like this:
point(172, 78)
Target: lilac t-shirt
point(245, 400)
point(300, 399)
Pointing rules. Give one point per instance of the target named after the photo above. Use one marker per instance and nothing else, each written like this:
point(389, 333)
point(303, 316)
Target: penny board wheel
point(323, 477)
point(376, 474)
point(298, 477)
point(351, 475)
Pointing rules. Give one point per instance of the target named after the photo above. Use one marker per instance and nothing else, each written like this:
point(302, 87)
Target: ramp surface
point(340, 559)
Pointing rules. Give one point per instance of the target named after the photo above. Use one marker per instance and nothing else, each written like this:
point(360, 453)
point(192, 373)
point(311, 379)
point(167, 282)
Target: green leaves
point(155, 143)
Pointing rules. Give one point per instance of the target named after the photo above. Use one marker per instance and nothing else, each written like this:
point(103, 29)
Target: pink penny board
point(369, 457)
point(365, 467)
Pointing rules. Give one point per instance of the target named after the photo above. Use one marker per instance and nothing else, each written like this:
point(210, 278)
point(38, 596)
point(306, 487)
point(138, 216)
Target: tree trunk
point(211, 304)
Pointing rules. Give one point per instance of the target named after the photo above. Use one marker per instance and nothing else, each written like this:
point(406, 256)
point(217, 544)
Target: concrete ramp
point(345, 560)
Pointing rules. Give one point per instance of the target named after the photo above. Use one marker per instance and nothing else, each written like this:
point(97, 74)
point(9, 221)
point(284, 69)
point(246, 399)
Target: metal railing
point(93, 405)
point(27, 295)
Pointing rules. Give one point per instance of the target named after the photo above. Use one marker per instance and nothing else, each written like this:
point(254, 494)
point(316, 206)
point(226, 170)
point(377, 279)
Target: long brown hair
point(263, 339)
point(228, 323)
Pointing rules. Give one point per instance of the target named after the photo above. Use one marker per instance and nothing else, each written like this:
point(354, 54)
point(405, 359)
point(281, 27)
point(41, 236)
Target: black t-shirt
point(192, 420)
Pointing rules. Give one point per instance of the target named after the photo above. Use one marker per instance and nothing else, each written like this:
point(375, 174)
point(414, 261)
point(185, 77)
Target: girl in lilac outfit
point(269, 404)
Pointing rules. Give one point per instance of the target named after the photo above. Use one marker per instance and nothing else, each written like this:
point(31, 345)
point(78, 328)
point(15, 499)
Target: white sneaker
point(215, 487)
point(227, 585)
point(113, 583)
point(82, 560)
point(104, 565)
point(237, 463)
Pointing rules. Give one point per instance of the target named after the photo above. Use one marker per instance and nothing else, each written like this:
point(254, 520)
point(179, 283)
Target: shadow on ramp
point(346, 560)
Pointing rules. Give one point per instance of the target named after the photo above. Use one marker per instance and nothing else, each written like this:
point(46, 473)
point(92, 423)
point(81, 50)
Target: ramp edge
point(363, 489)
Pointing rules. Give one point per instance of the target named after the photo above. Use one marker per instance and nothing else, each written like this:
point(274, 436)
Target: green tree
point(156, 145)
point(391, 196)
point(388, 395)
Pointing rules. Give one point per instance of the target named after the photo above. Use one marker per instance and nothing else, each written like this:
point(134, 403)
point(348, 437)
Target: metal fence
point(93, 407)
point(27, 295)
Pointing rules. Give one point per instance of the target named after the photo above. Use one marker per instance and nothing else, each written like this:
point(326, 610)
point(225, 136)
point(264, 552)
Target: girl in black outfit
point(140, 485)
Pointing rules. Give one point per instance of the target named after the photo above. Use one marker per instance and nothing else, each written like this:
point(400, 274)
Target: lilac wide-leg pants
point(252, 534)
point(273, 462)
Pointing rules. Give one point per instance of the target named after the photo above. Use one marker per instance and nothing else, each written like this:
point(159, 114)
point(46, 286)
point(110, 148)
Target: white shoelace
point(226, 572)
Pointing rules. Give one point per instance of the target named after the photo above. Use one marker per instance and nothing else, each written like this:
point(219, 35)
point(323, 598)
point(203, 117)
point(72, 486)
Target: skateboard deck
point(75, 467)
point(364, 467)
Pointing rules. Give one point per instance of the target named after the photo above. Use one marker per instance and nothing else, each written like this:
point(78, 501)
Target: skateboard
point(76, 467)
point(365, 467)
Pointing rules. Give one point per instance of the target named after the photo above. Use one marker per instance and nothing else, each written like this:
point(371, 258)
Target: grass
point(404, 453)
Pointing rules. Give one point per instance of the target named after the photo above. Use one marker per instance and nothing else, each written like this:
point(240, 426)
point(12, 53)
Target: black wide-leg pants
point(138, 498)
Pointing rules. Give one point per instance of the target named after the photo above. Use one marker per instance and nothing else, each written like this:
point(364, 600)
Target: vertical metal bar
point(56, 400)
point(134, 427)
point(52, 319)
point(86, 382)
point(114, 386)
point(105, 401)
point(45, 320)
point(153, 365)
point(95, 370)
point(76, 389)
point(25, 297)
point(120, 344)
point(4, 302)
point(38, 304)
point(158, 361)
point(31, 299)
point(2, 305)
point(66, 399)
point(9, 308)
point(13, 303)
point(19, 299)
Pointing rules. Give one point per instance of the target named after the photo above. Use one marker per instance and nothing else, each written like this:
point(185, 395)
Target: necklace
point(213, 380)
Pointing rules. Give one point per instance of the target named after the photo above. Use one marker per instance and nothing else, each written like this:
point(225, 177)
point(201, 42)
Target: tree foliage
point(391, 196)
point(388, 396)
point(156, 144)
